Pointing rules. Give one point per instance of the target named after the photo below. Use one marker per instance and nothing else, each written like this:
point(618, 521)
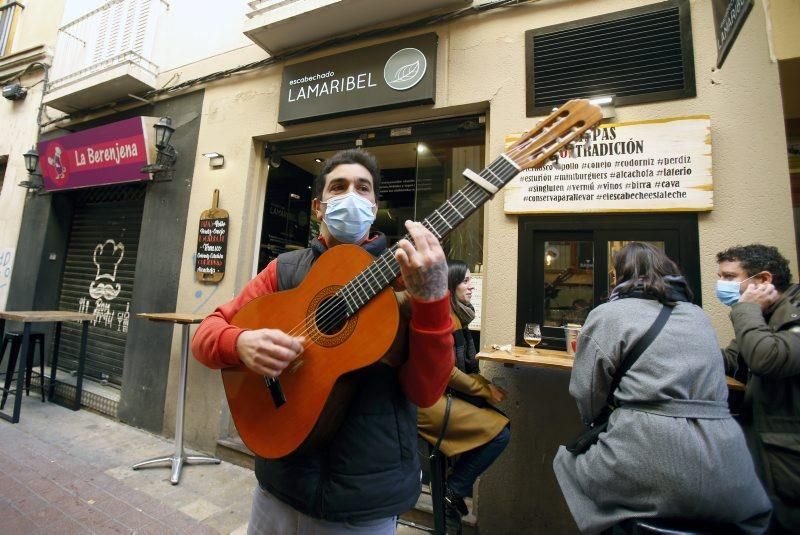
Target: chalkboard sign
point(212, 243)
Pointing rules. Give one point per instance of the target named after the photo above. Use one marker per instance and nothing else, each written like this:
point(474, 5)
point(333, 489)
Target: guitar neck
point(359, 291)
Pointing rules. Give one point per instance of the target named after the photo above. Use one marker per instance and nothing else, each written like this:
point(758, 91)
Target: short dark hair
point(359, 156)
point(756, 258)
point(639, 265)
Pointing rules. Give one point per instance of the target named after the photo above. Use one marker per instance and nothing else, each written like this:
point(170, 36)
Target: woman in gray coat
point(672, 449)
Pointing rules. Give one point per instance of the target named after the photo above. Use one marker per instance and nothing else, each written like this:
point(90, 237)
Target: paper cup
point(571, 331)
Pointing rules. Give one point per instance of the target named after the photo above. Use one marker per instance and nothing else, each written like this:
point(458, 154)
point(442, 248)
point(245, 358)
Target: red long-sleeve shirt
point(423, 376)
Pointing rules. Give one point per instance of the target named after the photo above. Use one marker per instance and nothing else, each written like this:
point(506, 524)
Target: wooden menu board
point(212, 243)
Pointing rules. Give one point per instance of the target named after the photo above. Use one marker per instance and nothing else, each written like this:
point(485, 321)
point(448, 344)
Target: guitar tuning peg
point(554, 110)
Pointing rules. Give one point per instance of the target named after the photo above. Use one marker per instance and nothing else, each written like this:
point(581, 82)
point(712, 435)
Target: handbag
point(584, 441)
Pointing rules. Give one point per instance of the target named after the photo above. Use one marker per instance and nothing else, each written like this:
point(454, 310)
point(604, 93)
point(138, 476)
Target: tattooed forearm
point(428, 284)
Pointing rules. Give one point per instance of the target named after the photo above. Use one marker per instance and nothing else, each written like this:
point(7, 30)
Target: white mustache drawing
point(105, 290)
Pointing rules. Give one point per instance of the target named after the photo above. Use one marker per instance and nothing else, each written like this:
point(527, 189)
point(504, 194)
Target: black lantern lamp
point(166, 154)
point(164, 131)
point(34, 182)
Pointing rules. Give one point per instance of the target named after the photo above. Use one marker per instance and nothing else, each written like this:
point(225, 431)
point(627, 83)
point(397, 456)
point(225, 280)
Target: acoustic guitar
point(349, 314)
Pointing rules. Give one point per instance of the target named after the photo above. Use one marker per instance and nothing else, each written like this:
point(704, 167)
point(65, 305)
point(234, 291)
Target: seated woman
point(672, 449)
point(475, 430)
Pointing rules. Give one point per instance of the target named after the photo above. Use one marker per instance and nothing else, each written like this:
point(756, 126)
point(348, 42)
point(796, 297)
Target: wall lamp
point(34, 182)
point(273, 156)
point(215, 159)
point(166, 154)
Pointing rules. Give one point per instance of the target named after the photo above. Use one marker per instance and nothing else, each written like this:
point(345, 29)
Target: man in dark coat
point(368, 473)
point(765, 311)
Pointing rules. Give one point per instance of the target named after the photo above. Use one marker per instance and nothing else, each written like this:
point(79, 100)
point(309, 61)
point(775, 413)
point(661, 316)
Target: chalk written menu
point(646, 166)
point(212, 243)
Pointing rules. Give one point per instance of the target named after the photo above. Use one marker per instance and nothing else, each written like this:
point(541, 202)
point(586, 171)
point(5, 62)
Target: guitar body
point(308, 383)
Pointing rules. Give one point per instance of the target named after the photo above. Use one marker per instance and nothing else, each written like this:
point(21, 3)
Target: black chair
point(15, 339)
point(660, 526)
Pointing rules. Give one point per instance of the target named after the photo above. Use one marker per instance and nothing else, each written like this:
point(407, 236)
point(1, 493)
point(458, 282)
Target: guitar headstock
point(556, 131)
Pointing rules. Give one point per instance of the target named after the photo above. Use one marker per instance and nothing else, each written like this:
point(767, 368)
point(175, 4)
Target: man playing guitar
point(368, 473)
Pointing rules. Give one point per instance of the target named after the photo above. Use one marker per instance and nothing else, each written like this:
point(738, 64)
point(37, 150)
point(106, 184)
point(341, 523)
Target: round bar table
point(179, 458)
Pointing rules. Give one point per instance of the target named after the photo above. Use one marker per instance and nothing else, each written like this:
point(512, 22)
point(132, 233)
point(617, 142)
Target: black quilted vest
point(370, 469)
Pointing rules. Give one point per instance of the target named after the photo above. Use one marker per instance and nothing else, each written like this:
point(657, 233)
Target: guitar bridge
point(275, 390)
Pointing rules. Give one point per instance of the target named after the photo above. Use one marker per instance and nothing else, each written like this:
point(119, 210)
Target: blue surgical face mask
point(348, 217)
point(728, 292)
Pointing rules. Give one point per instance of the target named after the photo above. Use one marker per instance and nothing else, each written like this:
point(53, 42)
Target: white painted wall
point(37, 27)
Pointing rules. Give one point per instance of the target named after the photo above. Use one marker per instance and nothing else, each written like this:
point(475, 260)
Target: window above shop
point(9, 15)
point(637, 55)
point(280, 25)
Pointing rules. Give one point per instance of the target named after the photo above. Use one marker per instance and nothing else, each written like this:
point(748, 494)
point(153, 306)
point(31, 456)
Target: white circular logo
point(405, 69)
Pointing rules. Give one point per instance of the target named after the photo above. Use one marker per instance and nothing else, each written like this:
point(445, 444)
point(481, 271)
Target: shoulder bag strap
point(445, 420)
point(639, 348)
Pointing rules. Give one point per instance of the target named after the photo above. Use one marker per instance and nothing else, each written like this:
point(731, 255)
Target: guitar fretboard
point(367, 284)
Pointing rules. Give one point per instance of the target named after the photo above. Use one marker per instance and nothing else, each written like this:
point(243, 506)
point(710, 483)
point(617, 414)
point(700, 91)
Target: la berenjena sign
point(108, 154)
point(388, 75)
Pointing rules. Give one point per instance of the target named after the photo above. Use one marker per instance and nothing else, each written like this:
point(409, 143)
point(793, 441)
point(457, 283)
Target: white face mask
point(348, 217)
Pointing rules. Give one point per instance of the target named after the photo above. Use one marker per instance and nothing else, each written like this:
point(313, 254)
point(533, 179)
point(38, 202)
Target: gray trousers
point(270, 516)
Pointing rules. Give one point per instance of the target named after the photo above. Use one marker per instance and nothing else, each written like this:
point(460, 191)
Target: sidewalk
point(69, 472)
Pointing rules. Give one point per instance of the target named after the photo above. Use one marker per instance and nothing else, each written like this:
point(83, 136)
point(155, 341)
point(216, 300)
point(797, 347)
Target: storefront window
point(568, 281)
point(418, 176)
point(566, 263)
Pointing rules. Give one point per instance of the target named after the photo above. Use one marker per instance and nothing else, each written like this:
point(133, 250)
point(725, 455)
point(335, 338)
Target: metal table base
point(179, 458)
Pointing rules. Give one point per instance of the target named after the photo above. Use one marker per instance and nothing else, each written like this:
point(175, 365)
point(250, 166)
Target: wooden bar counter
point(549, 358)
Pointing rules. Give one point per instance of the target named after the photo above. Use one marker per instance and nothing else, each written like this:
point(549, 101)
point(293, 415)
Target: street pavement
point(68, 472)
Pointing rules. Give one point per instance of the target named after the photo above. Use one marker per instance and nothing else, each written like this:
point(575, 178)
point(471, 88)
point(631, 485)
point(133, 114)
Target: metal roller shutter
point(99, 277)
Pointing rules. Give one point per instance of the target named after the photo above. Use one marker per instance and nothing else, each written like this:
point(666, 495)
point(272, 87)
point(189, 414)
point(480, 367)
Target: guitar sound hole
point(331, 316)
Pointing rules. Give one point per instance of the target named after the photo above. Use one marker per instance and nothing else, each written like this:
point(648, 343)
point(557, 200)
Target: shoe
point(455, 501)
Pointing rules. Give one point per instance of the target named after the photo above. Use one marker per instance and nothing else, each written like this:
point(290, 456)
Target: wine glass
point(532, 335)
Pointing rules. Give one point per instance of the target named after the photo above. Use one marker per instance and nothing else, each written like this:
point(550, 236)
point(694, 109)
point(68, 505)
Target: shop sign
point(212, 243)
point(729, 17)
point(388, 75)
point(646, 166)
point(109, 154)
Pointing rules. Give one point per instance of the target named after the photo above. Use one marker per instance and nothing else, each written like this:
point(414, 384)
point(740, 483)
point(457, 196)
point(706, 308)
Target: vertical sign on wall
point(212, 243)
point(729, 17)
point(6, 263)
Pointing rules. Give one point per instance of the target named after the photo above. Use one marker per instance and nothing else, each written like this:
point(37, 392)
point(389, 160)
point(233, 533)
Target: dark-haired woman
point(475, 430)
point(671, 449)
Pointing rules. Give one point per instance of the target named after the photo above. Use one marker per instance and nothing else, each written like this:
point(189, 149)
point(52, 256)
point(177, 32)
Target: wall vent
point(638, 55)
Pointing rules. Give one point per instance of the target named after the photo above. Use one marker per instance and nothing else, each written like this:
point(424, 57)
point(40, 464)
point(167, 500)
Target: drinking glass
point(532, 335)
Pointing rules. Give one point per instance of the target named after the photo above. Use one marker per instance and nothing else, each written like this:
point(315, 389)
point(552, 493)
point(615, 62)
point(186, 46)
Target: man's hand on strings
point(268, 351)
point(422, 264)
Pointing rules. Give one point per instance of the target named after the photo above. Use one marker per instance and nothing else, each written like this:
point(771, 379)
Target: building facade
point(272, 102)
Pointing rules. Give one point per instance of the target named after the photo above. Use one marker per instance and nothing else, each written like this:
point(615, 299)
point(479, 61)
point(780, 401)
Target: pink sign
point(108, 154)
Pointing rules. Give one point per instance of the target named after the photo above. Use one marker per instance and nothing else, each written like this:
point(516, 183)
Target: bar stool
point(15, 339)
point(660, 526)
